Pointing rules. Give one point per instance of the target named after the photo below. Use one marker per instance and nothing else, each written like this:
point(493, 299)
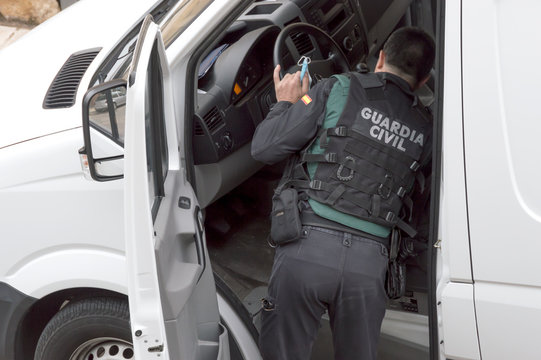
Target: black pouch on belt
point(395, 282)
point(285, 219)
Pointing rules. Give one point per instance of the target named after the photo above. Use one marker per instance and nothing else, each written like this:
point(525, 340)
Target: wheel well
point(43, 310)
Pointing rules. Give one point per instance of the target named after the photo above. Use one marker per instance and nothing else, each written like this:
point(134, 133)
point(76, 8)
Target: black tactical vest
point(372, 156)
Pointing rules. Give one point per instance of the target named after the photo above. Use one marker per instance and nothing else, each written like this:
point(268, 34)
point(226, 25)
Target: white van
point(137, 228)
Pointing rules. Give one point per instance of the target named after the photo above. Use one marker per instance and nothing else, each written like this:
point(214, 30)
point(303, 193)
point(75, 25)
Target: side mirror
point(104, 117)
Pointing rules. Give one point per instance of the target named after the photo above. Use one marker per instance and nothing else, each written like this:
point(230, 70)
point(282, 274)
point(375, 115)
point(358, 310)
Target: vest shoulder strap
point(372, 85)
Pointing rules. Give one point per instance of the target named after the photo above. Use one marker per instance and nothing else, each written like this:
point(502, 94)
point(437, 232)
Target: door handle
point(198, 237)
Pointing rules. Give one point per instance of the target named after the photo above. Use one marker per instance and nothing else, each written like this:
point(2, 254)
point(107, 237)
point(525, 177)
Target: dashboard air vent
point(213, 120)
point(198, 129)
point(302, 42)
point(62, 92)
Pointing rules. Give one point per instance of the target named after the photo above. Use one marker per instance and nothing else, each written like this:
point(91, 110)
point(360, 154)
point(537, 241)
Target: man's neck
point(392, 70)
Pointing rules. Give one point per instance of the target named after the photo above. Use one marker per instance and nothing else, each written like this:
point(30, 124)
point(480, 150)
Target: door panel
point(501, 140)
point(455, 289)
point(502, 155)
point(173, 305)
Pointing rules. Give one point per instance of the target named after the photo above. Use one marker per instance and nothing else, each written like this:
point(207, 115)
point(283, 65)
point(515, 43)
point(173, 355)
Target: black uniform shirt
point(289, 127)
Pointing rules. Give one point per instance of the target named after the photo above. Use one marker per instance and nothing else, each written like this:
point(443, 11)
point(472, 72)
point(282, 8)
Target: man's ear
point(381, 62)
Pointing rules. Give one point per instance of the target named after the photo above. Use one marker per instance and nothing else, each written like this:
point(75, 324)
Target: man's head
point(409, 53)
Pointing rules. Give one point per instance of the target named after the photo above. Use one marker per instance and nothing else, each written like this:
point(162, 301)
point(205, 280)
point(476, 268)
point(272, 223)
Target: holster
point(395, 282)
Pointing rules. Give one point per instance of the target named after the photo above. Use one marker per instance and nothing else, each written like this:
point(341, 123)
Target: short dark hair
point(410, 50)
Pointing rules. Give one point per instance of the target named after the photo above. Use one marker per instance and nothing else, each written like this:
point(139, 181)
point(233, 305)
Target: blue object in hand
point(304, 67)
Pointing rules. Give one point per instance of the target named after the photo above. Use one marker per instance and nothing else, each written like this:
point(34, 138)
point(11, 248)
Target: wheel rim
point(103, 349)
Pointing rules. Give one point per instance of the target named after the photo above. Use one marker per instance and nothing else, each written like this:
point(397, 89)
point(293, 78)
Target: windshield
point(179, 19)
point(175, 16)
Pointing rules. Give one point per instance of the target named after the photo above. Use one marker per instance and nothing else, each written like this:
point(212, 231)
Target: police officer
point(355, 144)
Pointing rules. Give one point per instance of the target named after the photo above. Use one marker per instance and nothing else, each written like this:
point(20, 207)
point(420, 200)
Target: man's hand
point(289, 88)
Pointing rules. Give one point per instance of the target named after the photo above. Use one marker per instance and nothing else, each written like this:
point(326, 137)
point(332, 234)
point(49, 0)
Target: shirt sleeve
point(289, 127)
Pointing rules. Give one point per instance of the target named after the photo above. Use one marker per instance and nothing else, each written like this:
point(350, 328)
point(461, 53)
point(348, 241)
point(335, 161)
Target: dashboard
point(234, 96)
point(235, 86)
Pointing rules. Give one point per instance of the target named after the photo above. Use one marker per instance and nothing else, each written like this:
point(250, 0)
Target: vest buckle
point(316, 184)
point(391, 217)
point(340, 131)
point(341, 168)
point(385, 193)
point(415, 166)
point(330, 157)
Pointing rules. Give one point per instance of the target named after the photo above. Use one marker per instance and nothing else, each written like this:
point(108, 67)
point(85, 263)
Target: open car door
point(172, 296)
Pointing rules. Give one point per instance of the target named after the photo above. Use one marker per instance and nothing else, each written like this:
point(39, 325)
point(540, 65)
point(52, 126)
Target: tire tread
point(80, 309)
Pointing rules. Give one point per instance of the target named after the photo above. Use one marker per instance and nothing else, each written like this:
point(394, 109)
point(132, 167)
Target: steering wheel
point(319, 67)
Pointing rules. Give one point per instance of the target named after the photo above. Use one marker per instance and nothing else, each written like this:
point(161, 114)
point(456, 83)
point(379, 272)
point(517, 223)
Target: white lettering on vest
point(374, 131)
point(389, 131)
point(381, 133)
point(395, 142)
point(400, 145)
point(405, 131)
point(419, 139)
point(366, 113)
point(388, 137)
point(395, 126)
point(385, 123)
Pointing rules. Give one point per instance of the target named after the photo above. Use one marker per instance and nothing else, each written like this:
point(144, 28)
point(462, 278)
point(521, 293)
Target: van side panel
point(44, 199)
point(501, 79)
point(509, 319)
point(459, 325)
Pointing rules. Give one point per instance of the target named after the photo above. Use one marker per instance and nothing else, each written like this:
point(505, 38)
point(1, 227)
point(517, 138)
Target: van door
point(502, 152)
point(172, 297)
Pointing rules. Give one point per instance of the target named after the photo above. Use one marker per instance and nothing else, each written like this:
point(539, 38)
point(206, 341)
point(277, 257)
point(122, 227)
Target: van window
point(117, 63)
point(156, 143)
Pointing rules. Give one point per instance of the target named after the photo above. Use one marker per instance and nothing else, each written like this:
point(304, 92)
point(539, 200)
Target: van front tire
point(97, 326)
